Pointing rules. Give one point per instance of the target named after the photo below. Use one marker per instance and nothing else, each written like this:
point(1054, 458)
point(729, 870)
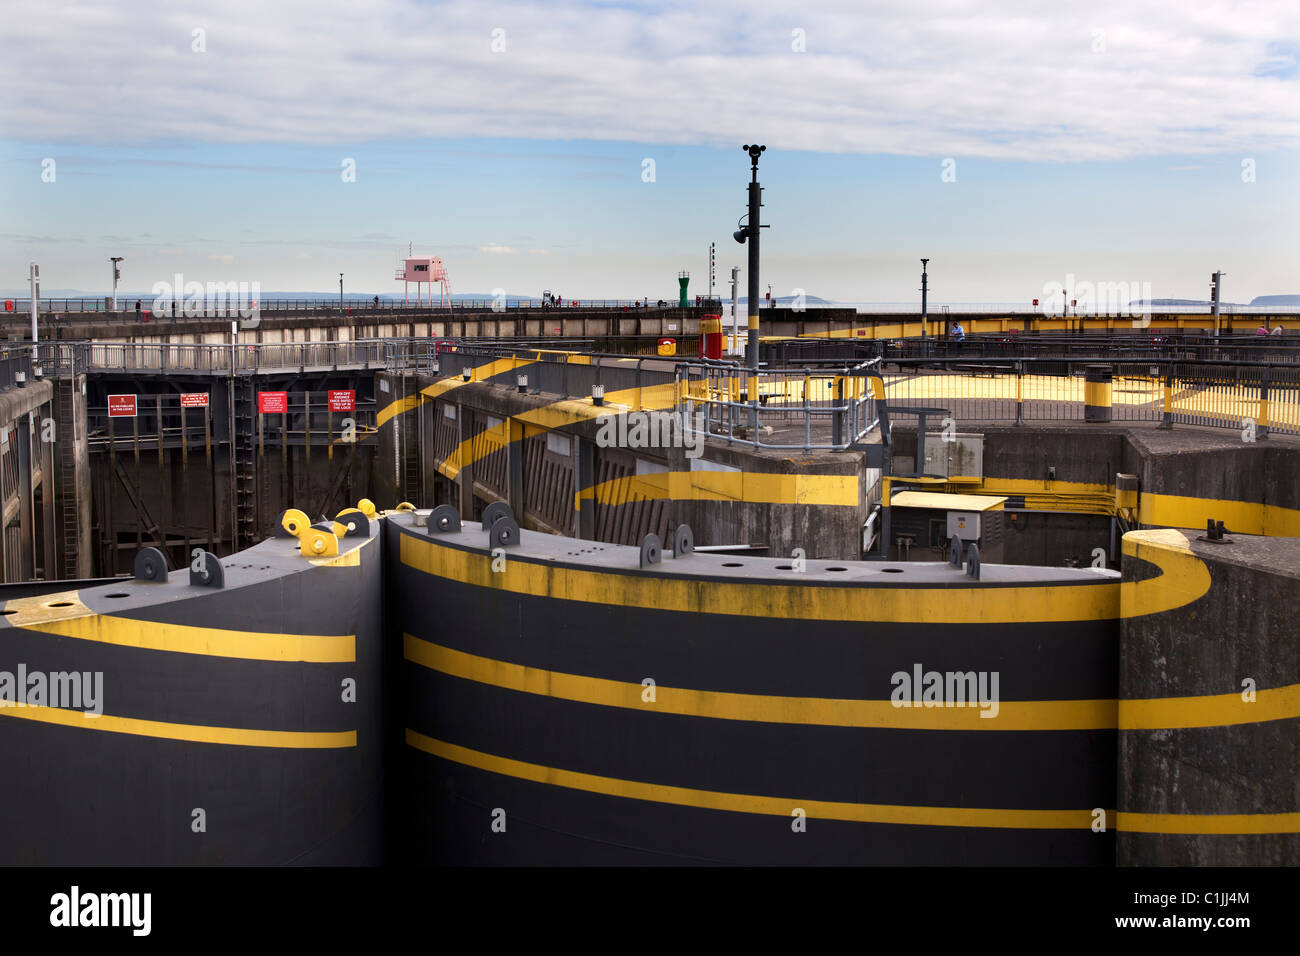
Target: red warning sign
point(194, 399)
point(272, 403)
point(343, 400)
point(121, 406)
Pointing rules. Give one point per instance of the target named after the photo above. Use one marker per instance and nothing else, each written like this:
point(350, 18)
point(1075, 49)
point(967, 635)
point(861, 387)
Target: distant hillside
point(1189, 303)
point(1260, 301)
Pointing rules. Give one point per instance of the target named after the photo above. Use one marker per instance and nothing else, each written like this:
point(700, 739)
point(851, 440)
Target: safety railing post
point(1167, 417)
point(1261, 428)
point(1020, 393)
point(837, 422)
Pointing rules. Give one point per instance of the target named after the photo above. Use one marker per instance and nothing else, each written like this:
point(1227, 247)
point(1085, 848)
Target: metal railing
point(798, 408)
point(795, 409)
point(1241, 396)
point(819, 406)
point(162, 358)
point(1159, 346)
point(21, 310)
point(15, 359)
point(937, 310)
point(161, 420)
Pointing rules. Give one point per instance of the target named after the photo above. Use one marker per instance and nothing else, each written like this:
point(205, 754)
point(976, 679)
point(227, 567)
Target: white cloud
point(964, 78)
point(222, 258)
point(496, 250)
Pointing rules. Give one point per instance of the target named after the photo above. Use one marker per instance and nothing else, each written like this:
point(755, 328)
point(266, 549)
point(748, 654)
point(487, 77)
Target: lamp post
point(34, 279)
point(117, 274)
point(924, 292)
point(750, 233)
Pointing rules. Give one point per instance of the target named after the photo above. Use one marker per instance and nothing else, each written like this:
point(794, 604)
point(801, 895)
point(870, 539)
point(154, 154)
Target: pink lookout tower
point(422, 269)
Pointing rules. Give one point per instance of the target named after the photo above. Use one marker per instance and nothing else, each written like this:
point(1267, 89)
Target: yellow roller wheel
point(295, 522)
point(343, 522)
point(315, 543)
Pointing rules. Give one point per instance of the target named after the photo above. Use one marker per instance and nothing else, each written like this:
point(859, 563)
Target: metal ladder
point(69, 530)
point(410, 451)
point(244, 443)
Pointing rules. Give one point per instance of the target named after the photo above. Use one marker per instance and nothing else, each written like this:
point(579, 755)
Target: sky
point(594, 149)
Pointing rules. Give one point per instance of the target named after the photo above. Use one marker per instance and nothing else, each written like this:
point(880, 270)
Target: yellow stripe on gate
point(194, 733)
point(74, 619)
point(749, 803)
point(766, 598)
point(899, 815)
point(1281, 703)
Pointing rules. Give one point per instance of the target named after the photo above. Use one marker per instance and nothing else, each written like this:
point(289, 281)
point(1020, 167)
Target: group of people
point(1263, 330)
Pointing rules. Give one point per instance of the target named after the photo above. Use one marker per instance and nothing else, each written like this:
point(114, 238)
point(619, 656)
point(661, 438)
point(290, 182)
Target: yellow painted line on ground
point(1227, 404)
point(749, 803)
point(865, 603)
point(195, 733)
point(1154, 508)
point(79, 622)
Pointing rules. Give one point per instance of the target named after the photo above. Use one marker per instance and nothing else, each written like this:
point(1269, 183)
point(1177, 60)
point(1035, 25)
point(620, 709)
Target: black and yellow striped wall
point(769, 735)
point(240, 725)
point(526, 701)
point(420, 697)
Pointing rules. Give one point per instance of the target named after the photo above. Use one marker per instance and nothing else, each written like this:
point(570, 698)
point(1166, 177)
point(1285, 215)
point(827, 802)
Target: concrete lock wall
point(1214, 781)
point(563, 683)
point(727, 494)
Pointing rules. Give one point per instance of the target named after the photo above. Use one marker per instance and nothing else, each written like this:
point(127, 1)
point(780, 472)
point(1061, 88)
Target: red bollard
point(711, 336)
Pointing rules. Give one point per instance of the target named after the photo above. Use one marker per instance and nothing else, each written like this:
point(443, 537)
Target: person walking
point(138, 306)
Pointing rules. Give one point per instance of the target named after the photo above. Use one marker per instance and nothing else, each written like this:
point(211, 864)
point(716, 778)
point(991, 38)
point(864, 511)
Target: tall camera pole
point(750, 233)
point(925, 291)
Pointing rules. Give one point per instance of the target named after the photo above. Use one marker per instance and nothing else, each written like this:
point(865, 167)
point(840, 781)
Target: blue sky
point(1104, 140)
